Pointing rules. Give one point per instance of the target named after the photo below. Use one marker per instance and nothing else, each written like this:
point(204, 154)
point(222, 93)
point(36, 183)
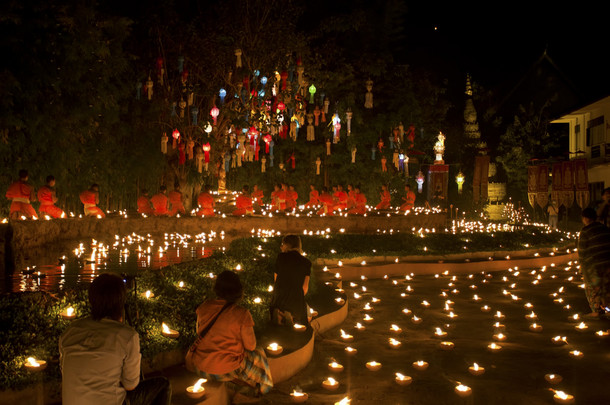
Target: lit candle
point(439, 333)
point(531, 316)
point(425, 304)
point(339, 300)
point(274, 348)
point(336, 367)
point(475, 369)
point(420, 365)
point(299, 328)
point(68, 313)
point(559, 340)
point(367, 318)
point(499, 315)
point(602, 333)
point(576, 353)
point(403, 379)
point(499, 337)
point(499, 326)
point(395, 344)
point(561, 397)
point(463, 390)
point(344, 401)
point(535, 327)
point(406, 311)
point(360, 326)
point(416, 320)
point(553, 378)
point(298, 397)
point(485, 308)
point(148, 294)
point(35, 365)
point(367, 307)
point(167, 332)
point(330, 384)
point(395, 328)
point(351, 350)
point(196, 391)
point(346, 336)
point(581, 327)
point(446, 345)
point(373, 365)
point(494, 347)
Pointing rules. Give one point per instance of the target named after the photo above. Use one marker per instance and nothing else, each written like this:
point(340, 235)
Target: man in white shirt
point(100, 355)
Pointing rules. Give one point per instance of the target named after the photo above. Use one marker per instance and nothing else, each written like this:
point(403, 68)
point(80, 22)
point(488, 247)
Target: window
point(596, 133)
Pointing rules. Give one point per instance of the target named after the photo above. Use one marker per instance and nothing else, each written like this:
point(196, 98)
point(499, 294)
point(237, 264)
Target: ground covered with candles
point(495, 356)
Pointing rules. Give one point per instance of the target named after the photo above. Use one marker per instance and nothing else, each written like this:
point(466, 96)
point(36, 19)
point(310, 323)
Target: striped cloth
point(594, 256)
point(254, 371)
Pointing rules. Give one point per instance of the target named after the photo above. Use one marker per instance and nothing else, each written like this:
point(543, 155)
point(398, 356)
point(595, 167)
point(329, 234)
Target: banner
point(542, 195)
point(556, 185)
point(567, 179)
point(581, 182)
point(532, 184)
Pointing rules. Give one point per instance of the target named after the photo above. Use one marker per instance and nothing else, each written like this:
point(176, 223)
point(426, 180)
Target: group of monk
point(283, 198)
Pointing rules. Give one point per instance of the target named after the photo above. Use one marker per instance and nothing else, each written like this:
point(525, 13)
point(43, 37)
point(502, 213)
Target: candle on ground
point(475, 369)
point(420, 365)
point(446, 345)
point(553, 378)
point(330, 384)
point(373, 365)
point(33, 364)
point(561, 397)
point(535, 327)
point(196, 391)
point(463, 390)
point(298, 397)
point(68, 313)
point(402, 379)
point(274, 348)
point(167, 332)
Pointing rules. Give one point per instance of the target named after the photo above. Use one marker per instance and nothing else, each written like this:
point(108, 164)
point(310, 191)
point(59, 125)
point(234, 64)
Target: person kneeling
point(226, 347)
point(100, 355)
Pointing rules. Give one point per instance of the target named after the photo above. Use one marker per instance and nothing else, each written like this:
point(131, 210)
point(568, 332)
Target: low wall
point(29, 234)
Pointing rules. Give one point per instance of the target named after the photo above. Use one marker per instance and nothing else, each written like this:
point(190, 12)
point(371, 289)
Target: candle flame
point(198, 385)
point(462, 388)
point(344, 401)
point(165, 328)
point(561, 394)
point(70, 311)
point(32, 362)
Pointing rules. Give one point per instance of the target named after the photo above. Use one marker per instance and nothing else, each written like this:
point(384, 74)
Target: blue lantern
point(222, 93)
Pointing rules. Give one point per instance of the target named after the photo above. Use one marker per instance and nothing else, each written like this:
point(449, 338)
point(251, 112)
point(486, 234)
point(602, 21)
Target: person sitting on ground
point(359, 205)
point(327, 202)
point(257, 196)
point(48, 198)
point(385, 197)
point(291, 276)
point(160, 202)
point(143, 202)
point(228, 351)
point(313, 197)
point(206, 203)
point(243, 202)
point(99, 355)
point(291, 197)
point(21, 193)
point(409, 199)
point(175, 201)
point(340, 198)
point(90, 198)
point(594, 256)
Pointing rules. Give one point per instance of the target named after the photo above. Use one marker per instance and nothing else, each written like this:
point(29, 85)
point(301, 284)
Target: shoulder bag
point(188, 360)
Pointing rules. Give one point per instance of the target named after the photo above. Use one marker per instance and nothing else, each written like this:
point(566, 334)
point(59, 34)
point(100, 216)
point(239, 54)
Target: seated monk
point(409, 199)
point(327, 203)
point(386, 198)
point(144, 206)
point(90, 198)
point(243, 202)
point(175, 201)
point(257, 196)
point(206, 203)
point(313, 197)
point(21, 193)
point(160, 202)
point(275, 197)
point(359, 207)
point(281, 197)
point(291, 198)
point(47, 198)
point(340, 197)
point(350, 196)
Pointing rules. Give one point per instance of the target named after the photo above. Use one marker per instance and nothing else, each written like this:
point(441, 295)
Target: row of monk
point(164, 203)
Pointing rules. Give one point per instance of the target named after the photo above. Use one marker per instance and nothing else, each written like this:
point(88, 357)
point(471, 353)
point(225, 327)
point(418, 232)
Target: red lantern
point(176, 134)
point(206, 150)
point(185, 75)
point(214, 112)
point(267, 139)
point(281, 106)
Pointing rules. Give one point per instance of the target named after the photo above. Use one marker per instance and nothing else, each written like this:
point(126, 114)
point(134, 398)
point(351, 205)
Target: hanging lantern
point(368, 98)
point(420, 181)
point(206, 150)
point(164, 140)
point(175, 136)
point(222, 94)
point(238, 58)
point(207, 128)
point(459, 179)
point(184, 76)
point(149, 88)
point(264, 81)
point(349, 114)
point(281, 106)
point(267, 138)
point(337, 127)
point(214, 113)
point(160, 70)
point(312, 92)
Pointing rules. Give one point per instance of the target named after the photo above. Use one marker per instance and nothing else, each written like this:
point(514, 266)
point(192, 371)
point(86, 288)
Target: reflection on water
point(69, 264)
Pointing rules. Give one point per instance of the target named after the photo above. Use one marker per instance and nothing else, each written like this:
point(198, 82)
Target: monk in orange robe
point(291, 198)
point(275, 201)
point(257, 196)
point(243, 202)
point(281, 197)
point(313, 197)
point(90, 198)
point(144, 205)
point(409, 199)
point(327, 203)
point(21, 193)
point(47, 198)
point(206, 203)
point(386, 199)
point(160, 202)
point(359, 207)
point(340, 197)
point(175, 201)
point(350, 196)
